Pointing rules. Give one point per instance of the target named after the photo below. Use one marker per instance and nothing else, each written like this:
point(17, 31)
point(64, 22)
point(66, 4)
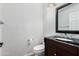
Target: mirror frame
point(63, 31)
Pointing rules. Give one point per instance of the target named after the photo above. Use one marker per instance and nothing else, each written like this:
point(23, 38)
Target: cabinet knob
point(55, 54)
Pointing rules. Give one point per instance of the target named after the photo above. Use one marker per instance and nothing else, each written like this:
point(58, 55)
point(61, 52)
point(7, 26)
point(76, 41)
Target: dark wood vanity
point(55, 47)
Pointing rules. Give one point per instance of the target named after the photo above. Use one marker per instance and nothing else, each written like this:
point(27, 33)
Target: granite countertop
point(74, 42)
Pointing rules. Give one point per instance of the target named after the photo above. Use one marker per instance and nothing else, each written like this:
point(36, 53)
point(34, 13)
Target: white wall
point(49, 20)
point(0, 26)
point(22, 21)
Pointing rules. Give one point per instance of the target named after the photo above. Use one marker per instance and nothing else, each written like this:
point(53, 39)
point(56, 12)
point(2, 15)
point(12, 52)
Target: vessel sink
point(63, 39)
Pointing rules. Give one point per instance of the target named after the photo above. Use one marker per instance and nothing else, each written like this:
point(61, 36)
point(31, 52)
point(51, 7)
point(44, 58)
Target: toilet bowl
point(39, 50)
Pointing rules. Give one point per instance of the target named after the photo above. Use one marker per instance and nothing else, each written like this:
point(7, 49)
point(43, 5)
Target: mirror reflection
point(68, 17)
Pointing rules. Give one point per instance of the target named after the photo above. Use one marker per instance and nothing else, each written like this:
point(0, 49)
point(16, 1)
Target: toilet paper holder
point(1, 44)
point(29, 41)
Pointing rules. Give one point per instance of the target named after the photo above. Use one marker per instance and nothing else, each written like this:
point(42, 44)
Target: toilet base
point(33, 54)
point(30, 54)
point(40, 54)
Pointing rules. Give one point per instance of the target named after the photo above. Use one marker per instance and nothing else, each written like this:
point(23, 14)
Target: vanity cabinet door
point(50, 49)
point(62, 52)
point(50, 52)
point(78, 51)
point(66, 50)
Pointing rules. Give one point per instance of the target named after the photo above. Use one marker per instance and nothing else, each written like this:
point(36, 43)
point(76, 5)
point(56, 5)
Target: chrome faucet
point(66, 37)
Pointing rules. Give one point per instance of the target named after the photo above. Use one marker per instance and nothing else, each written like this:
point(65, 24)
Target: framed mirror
point(67, 18)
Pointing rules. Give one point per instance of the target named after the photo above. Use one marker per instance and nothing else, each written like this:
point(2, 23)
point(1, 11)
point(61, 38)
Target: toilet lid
point(39, 47)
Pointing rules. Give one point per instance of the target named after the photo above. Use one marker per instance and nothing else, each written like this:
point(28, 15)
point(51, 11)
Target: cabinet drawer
point(51, 42)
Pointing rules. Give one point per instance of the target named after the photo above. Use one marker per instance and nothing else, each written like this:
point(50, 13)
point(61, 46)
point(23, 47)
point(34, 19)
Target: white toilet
point(39, 50)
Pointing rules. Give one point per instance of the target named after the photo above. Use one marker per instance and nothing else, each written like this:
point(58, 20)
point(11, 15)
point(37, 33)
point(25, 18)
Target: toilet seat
point(39, 47)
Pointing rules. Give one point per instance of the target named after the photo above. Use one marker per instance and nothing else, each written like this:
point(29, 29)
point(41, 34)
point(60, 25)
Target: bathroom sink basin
point(73, 41)
point(63, 39)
